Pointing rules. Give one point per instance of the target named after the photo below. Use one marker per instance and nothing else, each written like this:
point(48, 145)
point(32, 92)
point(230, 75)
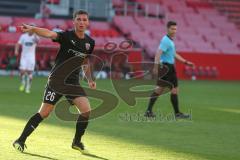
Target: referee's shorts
point(167, 73)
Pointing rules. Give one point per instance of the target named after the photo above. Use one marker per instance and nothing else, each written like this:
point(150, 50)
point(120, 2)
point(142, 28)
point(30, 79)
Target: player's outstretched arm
point(181, 59)
point(88, 74)
point(43, 32)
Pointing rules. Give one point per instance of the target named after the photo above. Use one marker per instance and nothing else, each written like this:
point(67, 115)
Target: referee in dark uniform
point(166, 55)
point(74, 44)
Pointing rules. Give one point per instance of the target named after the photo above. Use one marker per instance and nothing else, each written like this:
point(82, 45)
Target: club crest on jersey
point(73, 42)
point(87, 46)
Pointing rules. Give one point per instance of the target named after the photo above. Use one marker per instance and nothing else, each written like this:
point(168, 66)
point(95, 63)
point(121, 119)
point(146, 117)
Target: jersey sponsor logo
point(87, 45)
point(28, 44)
point(76, 53)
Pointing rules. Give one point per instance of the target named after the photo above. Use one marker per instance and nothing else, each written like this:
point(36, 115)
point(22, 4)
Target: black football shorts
point(52, 97)
point(169, 75)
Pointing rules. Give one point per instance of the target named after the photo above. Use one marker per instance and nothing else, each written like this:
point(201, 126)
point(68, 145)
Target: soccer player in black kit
point(72, 43)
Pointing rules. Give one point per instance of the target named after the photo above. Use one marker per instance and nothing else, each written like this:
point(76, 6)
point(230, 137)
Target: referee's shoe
point(181, 115)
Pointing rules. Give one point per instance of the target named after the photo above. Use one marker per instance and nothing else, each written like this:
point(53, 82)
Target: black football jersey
point(72, 52)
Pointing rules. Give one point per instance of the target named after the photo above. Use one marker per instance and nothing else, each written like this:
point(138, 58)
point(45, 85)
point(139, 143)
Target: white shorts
point(26, 64)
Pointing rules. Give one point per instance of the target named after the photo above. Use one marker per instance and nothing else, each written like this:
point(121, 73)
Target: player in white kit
point(28, 41)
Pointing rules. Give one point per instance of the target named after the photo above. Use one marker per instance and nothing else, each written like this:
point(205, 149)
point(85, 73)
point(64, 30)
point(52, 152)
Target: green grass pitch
point(212, 134)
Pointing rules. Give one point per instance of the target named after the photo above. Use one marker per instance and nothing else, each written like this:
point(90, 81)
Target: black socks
point(152, 100)
point(31, 125)
point(34, 121)
point(81, 126)
point(174, 101)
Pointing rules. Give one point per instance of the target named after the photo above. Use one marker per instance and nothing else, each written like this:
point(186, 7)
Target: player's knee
point(86, 114)
point(45, 114)
point(174, 91)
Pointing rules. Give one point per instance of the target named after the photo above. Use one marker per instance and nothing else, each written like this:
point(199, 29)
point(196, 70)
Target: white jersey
point(29, 44)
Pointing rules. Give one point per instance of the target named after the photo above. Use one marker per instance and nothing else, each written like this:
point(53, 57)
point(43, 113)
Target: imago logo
point(125, 89)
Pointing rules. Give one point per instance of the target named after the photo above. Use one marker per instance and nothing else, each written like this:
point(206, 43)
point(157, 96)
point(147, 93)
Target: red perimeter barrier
point(228, 65)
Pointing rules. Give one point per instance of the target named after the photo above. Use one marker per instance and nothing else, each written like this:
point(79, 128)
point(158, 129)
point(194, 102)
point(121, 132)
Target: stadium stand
point(53, 1)
point(201, 28)
point(102, 32)
point(5, 22)
point(204, 26)
point(99, 30)
point(231, 8)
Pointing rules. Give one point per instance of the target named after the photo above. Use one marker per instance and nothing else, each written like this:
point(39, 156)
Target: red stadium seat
point(52, 23)
point(100, 25)
point(5, 22)
point(53, 1)
point(9, 38)
point(20, 20)
point(99, 41)
point(47, 42)
point(200, 27)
